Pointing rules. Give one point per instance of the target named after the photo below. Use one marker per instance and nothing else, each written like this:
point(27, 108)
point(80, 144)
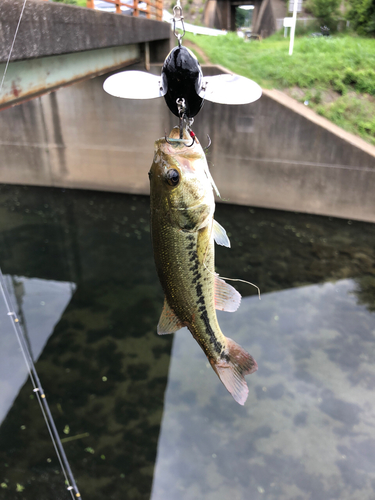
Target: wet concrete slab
point(306, 431)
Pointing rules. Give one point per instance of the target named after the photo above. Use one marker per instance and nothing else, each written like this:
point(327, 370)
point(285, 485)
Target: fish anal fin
point(226, 297)
point(168, 322)
point(232, 367)
point(220, 235)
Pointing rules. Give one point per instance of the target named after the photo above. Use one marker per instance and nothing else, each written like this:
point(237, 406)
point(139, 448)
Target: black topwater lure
point(181, 78)
point(182, 83)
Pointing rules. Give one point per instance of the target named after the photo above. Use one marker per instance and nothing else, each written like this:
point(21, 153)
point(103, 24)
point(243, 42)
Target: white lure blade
point(134, 85)
point(230, 89)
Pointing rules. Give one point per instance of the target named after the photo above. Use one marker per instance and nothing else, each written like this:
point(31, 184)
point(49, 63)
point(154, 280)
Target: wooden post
point(135, 9)
point(90, 4)
point(159, 10)
point(118, 8)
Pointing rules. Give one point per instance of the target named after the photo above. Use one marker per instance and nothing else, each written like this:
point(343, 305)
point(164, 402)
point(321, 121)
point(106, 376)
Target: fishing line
point(39, 392)
point(242, 281)
point(222, 277)
point(234, 279)
point(11, 48)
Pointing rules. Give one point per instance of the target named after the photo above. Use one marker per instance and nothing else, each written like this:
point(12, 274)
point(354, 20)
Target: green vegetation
point(326, 11)
point(80, 3)
point(362, 15)
point(336, 75)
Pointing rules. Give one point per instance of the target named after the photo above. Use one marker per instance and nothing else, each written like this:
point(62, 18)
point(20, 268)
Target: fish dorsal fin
point(168, 322)
point(226, 297)
point(220, 235)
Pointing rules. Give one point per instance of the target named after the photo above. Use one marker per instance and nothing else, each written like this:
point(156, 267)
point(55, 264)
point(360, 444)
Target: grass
point(336, 75)
point(80, 3)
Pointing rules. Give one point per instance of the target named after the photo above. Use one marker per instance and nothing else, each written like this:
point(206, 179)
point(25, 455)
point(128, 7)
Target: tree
point(362, 15)
point(326, 11)
point(242, 17)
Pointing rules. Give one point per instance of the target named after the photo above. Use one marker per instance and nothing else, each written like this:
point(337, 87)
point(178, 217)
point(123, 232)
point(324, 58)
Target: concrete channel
point(273, 153)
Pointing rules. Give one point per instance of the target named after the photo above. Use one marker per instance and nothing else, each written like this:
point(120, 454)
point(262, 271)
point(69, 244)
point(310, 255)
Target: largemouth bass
point(183, 234)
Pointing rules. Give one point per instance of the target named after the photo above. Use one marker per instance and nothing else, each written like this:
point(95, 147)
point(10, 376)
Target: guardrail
point(153, 10)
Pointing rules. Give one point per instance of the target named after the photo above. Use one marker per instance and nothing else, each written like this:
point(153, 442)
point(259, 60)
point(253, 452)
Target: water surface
point(144, 416)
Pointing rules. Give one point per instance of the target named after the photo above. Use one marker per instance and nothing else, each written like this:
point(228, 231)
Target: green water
point(142, 416)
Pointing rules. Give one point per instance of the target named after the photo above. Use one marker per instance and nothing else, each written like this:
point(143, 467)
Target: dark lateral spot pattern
point(197, 277)
point(189, 220)
point(225, 356)
point(194, 268)
point(217, 345)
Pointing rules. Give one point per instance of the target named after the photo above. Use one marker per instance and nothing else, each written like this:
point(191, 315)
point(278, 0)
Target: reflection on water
point(139, 423)
point(307, 431)
point(39, 306)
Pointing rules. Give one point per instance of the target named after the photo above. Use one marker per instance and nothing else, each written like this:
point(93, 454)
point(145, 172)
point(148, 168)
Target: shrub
point(367, 127)
point(326, 11)
point(362, 15)
point(70, 2)
point(363, 80)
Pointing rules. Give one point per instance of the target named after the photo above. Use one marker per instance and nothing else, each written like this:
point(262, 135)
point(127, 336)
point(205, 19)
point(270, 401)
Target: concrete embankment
point(273, 153)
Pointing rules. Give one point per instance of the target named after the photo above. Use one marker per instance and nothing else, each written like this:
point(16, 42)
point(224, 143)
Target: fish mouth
point(180, 147)
point(171, 141)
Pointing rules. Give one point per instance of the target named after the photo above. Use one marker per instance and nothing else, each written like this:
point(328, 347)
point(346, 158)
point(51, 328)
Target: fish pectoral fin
point(220, 235)
point(231, 369)
point(168, 322)
point(226, 297)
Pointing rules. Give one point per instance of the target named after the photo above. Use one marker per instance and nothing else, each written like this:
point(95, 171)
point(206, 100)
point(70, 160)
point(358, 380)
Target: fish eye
point(173, 177)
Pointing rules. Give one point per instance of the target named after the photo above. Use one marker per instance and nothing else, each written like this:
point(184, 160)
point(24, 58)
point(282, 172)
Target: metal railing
point(153, 10)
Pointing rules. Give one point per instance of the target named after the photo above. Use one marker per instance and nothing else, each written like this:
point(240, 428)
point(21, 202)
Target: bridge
point(60, 44)
point(66, 131)
point(221, 14)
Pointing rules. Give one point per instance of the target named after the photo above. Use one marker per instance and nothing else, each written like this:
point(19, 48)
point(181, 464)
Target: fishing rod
point(38, 389)
point(39, 392)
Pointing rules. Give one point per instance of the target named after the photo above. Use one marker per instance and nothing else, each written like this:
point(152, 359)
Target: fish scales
point(188, 283)
point(183, 231)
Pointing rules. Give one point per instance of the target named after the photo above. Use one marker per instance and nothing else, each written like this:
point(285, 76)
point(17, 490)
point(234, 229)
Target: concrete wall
point(49, 28)
point(274, 153)
point(60, 44)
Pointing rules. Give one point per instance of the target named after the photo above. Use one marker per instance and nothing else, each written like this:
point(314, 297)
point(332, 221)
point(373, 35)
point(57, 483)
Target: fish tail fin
point(231, 369)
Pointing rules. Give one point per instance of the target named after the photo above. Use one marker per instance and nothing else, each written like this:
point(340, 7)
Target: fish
point(183, 232)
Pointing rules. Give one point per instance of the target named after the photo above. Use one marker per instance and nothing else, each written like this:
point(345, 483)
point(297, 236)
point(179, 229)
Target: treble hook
point(192, 135)
point(180, 140)
point(166, 140)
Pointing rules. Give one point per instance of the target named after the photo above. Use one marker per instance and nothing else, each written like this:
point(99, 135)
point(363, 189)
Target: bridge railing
point(153, 10)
